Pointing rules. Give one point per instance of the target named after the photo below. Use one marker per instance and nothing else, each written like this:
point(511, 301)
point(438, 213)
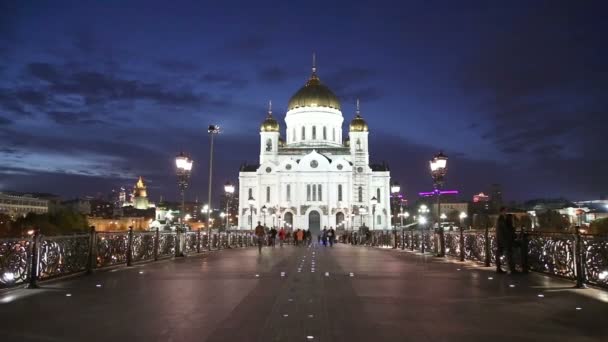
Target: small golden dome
point(269, 125)
point(358, 124)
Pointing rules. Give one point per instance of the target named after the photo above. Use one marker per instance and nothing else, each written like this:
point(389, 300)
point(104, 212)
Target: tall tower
point(358, 132)
point(140, 195)
point(269, 137)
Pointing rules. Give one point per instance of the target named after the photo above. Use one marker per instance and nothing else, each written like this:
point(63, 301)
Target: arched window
point(379, 219)
point(293, 136)
point(268, 145)
point(339, 192)
point(333, 135)
point(320, 193)
point(303, 133)
point(359, 144)
point(314, 132)
point(360, 194)
point(288, 193)
point(267, 194)
point(314, 192)
point(378, 197)
point(324, 133)
point(308, 192)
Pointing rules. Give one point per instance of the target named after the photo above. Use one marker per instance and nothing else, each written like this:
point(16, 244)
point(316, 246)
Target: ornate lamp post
point(462, 216)
point(374, 201)
point(183, 165)
point(212, 130)
point(422, 212)
point(439, 168)
point(395, 188)
point(264, 214)
point(251, 204)
point(229, 190)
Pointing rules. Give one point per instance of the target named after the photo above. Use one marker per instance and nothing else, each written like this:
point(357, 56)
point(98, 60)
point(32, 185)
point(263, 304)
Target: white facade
point(315, 178)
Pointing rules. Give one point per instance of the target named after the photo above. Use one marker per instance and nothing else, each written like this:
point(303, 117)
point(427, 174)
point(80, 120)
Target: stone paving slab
point(354, 294)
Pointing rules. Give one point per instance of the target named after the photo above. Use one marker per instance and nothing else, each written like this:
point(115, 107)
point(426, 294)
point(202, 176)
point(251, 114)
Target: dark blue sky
point(93, 94)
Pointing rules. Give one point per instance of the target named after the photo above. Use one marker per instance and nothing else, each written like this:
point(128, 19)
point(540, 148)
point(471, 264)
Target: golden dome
point(358, 124)
point(269, 124)
point(314, 94)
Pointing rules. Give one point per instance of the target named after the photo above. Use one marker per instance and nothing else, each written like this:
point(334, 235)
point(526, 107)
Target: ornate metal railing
point(579, 257)
point(38, 257)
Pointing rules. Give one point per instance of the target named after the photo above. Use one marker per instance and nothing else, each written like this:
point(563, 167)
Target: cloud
point(178, 66)
point(5, 121)
point(74, 118)
point(227, 80)
point(274, 74)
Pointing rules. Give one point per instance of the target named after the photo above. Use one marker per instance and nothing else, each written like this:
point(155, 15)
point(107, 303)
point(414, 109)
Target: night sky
point(94, 94)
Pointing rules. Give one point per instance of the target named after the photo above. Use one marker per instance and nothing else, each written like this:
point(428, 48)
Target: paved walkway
point(354, 294)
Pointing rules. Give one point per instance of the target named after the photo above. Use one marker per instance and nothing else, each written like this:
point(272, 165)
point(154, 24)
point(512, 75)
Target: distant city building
point(16, 204)
point(481, 197)
point(496, 198)
point(78, 205)
point(140, 195)
point(102, 209)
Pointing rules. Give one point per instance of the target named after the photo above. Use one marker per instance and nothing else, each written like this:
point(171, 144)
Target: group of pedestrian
point(505, 240)
point(327, 236)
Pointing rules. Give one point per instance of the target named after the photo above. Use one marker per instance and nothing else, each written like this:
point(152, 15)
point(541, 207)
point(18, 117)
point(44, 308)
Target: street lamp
point(462, 216)
point(374, 201)
point(439, 168)
point(229, 190)
point(251, 204)
point(422, 220)
point(362, 212)
point(264, 214)
point(395, 188)
point(212, 130)
point(183, 165)
point(224, 216)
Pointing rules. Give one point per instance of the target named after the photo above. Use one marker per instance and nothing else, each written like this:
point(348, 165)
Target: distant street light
point(395, 188)
point(374, 201)
point(229, 190)
point(264, 214)
point(439, 168)
point(251, 201)
point(462, 216)
point(183, 166)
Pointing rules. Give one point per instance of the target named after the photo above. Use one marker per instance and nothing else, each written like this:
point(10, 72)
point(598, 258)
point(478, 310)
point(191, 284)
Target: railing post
point(156, 243)
point(524, 250)
point(441, 242)
point(130, 246)
point(402, 238)
point(198, 241)
point(177, 241)
point(92, 250)
point(487, 247)
point(578, 259)
point(422, 241)
point(461, 243)
point(34, 257)
point(412, 239)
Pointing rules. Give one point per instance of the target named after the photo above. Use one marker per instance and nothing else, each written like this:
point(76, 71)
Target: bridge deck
point(391, 296)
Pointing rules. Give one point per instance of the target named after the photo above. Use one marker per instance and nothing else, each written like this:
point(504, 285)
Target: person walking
point(259, 233)
point(331, 235)
point(300, 236)
point(324, 236)
point(273, 236)
point(505, 237)
point(281, 236)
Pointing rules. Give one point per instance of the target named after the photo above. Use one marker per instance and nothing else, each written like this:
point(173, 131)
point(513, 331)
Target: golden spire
point(269, 107)
point(314, 63)
point(140, 183)
point(358, 111)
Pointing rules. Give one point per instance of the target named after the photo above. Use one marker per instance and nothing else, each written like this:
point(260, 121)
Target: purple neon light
point(442, 192)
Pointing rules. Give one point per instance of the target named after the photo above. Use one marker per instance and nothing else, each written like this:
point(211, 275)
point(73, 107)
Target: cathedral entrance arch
point(340, 220)
point(288, 219)
point(314, 223)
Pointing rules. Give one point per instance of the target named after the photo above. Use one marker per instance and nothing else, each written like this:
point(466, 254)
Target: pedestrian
point(505, 238)
point(273, 236)
point(300, 236)
point(281, 236)
point(324, 236)
point(259, 233)
point(331, 235)
point(319, 239)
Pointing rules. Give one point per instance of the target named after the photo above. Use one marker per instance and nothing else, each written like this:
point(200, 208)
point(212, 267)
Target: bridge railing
point(37, 257)
point(575, 256)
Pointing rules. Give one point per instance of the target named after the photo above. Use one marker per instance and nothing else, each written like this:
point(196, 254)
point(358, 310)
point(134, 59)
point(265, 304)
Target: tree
point(599, 226)
point(552, 220)
point(62, 222)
